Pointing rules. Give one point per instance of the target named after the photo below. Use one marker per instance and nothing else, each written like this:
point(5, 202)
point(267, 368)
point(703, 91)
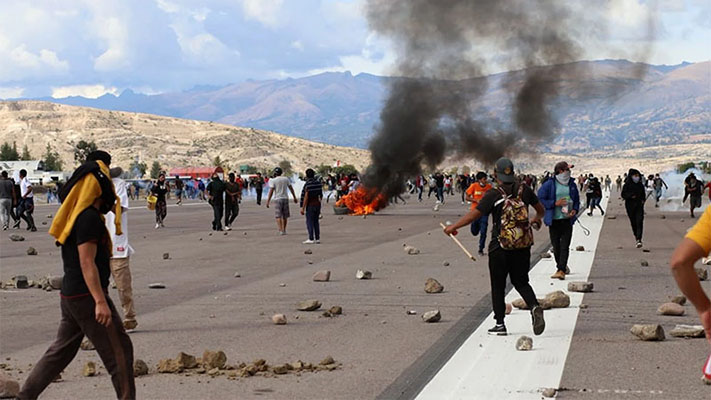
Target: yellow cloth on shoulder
point(82, 196)
point(701, 232)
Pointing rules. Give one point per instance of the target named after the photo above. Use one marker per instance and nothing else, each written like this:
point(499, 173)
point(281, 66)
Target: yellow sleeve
point(701, 232)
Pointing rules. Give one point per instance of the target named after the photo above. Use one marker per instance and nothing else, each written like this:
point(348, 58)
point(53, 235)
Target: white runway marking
point(490, 367)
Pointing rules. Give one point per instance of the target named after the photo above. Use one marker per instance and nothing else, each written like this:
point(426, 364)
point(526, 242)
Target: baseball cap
point(561, 166)
point(504, 170)
point(277, 171)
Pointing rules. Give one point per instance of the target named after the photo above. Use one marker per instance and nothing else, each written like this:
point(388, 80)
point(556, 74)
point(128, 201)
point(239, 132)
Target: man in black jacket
point(634, 194)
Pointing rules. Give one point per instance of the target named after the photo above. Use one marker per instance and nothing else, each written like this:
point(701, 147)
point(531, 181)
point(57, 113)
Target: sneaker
point(567, 270)
point(498, 330)
point(317, 241)
point(539, 324)
point(639, 244)
point(603, 213)
point(558, 275)
point(130, 324)
point(281, 233)
point(16, 225)
point(481, 253)
point(157, 226)
point(228, 228)
point(308, 241)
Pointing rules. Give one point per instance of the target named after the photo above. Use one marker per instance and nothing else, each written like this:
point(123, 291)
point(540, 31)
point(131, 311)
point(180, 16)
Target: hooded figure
point(634, 194)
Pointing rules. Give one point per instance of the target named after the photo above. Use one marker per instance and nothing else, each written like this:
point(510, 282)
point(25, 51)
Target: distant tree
point(286, 168)
point(52, 161)
point(8, 153)
point(251, 169)
point(26, 156)
point(346, 169)
point(138, 169)
point(323, 169)
point(155, 170)
point(82, 150)
point(681, 168)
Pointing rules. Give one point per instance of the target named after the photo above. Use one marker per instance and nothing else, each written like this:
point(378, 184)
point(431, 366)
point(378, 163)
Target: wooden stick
point(461, 246)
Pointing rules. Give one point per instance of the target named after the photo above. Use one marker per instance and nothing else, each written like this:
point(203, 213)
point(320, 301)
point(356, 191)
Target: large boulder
point(672, 309)
point(213, 359)
point(557, 299)
point(648, 332)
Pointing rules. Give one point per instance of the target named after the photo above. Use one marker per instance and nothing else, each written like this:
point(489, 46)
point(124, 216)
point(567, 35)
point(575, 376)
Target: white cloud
point(296, 44)
point(22, 62)
point(90, 91)
point(11, 92)
point(264, 11)
point(115, 35)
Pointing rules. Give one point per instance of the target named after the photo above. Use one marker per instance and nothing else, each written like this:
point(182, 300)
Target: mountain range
point(608, 106)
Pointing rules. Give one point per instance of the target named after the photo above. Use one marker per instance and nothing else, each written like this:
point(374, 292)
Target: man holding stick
point(509, 255)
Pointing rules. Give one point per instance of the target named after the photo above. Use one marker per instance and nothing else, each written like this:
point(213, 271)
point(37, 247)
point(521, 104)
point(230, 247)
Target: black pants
point(112, 343)
point(561, 231)
point(312, 224)
point(231, 212)
point(217, 209)
point(259, 196)
point(24, 211)
point(513, 263)
point(635, 212)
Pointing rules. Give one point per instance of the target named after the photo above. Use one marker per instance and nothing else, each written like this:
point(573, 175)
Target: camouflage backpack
point(515, 230)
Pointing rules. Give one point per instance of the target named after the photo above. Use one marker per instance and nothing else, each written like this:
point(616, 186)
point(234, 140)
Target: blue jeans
point(312, 225)
point(479, 227)
point(440, 194)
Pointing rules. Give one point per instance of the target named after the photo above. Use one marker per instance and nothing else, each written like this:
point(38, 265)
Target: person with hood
point(511, 241)
point(561, 200)
point(595, 196)
point(215, 196)
point(693, 189)
point(233, 196)
point(86, 308)
point(634, 194)
point(160, 189)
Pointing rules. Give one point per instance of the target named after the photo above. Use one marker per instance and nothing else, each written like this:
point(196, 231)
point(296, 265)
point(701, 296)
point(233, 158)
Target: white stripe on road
point(490, 367)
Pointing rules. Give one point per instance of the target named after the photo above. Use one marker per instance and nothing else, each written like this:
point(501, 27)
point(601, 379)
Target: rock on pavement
point(16, 238)
point(672, 309)
point(432, 316)
point(322, 276)
point(9, 388)
point(140, 368)
point(213, 359)
point(31, 251)
point(363, 274)
point(279, 319)
point(702, 273)
point(433, 286)
point(21, 282)
point(688, 331)
point(580, 248)
point(411, 250)
point(89, 369)
point(557, 299)
point(648, 332)
point(87, 345)
point(309, 305)
point(679, 299)
point(524, 343)
point(583, 287)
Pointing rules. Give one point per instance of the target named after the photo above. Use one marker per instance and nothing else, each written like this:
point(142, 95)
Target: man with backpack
point(511, 241)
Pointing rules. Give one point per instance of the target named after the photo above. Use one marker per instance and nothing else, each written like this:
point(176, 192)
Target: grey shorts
point(281, 208)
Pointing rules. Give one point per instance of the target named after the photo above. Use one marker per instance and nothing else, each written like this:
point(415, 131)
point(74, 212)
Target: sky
point(64, 48)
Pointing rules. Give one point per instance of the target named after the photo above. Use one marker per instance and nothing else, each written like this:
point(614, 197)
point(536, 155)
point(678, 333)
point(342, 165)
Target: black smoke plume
point(442, 47)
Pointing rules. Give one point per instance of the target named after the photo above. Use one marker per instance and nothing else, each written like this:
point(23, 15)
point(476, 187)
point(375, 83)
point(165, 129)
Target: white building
point(35, 171)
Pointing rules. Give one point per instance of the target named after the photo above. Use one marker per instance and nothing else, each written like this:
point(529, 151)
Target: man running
point(474, 194)
point(279, 188)
point(693, 188)
point(634, 194)
point(26, 204)
point(513, 262)
point(179, 190)
point(233, 196)
point(658, 183)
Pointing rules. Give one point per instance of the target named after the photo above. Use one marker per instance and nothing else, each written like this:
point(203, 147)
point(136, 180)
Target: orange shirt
point(476, 191)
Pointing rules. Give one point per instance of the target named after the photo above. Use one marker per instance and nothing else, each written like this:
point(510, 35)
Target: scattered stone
point(646, 250)
point(87, 345)
point(688, 331)
point(20, 282)
point(583, 306)
point(89, 369)
point(9, 388)
point(169, 366)
point(166, 256)
point(17, 238)
point(679, 299)
point(308, 251)
point(582, 287)
point(55, 282)
point(549, 392)
point(663, 216)
point(156, 285)
point(297, 365)
point(432, 316)
point(282, 285)
point(309, 305)
point(327, 361)
point(509, 308)
point(336, 310)
point(327, 314)
point(186, 361)
point(279, 319)
point(432, 286)
point(546, 255)
point(31, 251)
point(322, 276)
point(580, 248)
point(672, 309)
point(702, 273)
point(238, 275)
point(644, 263)
point(363, 274)
point(140, 368)
point(213, 359)
point(411, 250)
point(524, 343)
point(411, 312)
point(445, 264)
point(214, 372)
point(557, 299)
point(44, 222)
point(520, 304)
point(612, 217)
point(682, 220)
point(281, 369)
point(649, 332)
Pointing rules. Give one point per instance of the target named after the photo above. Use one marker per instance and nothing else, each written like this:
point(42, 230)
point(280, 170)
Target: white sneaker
point(228, 228)
point(639, 244)
point(317, 241)
point(157, 226)
point(308, 241)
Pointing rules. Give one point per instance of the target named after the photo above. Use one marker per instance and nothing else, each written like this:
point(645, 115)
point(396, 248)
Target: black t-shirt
point(178, 184)
point(490, 205)
point(89, 226)
point(440, 180)
point(159, 189)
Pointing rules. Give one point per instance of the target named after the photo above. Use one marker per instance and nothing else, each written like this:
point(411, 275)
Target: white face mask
point(635, 179)
point(563, 178)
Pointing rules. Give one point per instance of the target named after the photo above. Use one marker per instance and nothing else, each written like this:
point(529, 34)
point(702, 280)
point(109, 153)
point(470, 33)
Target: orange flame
point(363, 201)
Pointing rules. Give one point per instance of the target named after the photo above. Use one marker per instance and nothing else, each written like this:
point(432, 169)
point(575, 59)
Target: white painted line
point(490, 367)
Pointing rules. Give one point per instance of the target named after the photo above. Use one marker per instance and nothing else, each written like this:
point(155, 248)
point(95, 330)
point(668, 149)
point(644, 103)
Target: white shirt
point(121, 249)
point(281, 187)
point(24, 188)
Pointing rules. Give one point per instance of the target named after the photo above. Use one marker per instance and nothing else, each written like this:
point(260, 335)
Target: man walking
point(179, 185)
point(258, 187)
point(7, 199)
point(634, 194)
point(122, 250)
point(474, 194)
point(87, 309)
point(26, 204)
point(233, 196)
point(279, 187)
point(561, 200)
point(509, 255)
point(618, 181)
point(215, 196)
point(311, 196)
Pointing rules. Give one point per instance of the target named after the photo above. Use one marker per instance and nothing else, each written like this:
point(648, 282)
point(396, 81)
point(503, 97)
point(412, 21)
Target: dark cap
point(504, 170)
point(562, 166)
point(115, 172)
point(277, 171)
point(99, 155)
